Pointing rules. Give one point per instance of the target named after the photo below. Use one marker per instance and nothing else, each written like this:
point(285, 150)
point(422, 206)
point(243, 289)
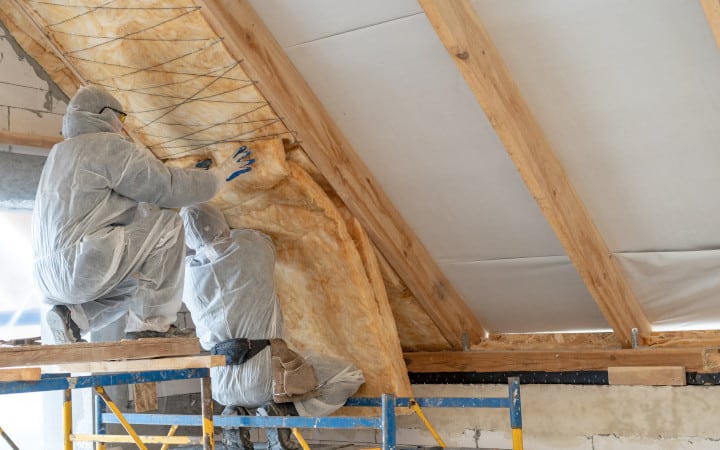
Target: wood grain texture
point(36, 355)
point(140, 365)
point(712, 13)
point(576, 341)
point(704, 360)
point(145, 397)
point(29, 140)
point(20, 374)
point(647, 376)
point(480, 63)
point(247, 38)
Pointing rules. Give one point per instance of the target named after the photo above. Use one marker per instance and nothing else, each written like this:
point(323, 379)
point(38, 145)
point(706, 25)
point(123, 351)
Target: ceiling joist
point(480, 63)
point(248, 40)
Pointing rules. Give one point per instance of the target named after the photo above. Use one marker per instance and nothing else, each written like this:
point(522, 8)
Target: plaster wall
point(30, 103)
point(564, 417)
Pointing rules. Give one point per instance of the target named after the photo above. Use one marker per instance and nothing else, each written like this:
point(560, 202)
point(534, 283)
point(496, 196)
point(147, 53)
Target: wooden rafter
point(29, 140)
point(480, 63)
point(247, 39)
point(712, 12)
point(706, 360)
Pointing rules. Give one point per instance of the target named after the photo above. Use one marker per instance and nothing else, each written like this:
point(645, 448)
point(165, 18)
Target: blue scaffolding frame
point(385, 422)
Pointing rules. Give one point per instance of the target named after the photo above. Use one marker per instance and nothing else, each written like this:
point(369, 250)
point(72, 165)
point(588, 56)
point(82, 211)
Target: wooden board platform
point(37, 355)
point(140, 365)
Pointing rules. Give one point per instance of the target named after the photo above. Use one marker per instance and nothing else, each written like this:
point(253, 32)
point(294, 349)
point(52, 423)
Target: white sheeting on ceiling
point(627, 94)
point(526, 295)
point(680, 290)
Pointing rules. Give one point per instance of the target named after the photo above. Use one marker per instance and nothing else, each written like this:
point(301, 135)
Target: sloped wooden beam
point(712, 12)
point(29, 140)
point(248, 39)
point(480, 63)
point(706, 360)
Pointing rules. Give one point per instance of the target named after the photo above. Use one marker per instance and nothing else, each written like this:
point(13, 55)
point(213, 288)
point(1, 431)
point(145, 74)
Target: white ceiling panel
point(628, 94)
point(294, 22)
point(403, 105)
point(526, 295)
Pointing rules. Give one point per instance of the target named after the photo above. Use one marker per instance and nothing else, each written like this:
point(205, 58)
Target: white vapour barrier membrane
point(412, 119)
point(677, 290)
point(526, 295)
point(295, 22)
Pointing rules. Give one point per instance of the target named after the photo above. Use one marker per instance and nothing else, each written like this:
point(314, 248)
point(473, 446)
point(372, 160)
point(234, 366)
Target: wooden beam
point(37, 355)
point(598, 341)
point(140, 365)
point(248, 40)
point(693, 359)
point(480, 63)
point(20, 374)
point(28, 140)
point(647, 376)
point(712, 12)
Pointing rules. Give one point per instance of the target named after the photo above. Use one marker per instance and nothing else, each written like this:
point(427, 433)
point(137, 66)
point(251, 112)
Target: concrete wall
point(29, 103)
point(566, 417)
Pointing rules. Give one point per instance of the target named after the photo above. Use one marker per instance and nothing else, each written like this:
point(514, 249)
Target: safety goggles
point(121, 115)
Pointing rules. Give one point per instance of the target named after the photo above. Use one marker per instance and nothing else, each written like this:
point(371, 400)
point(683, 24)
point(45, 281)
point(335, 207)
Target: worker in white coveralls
point(104, 242)
point(230, 292)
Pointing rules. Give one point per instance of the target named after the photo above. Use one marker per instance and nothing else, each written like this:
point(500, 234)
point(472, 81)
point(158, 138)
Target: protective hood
point(204, 224)
point(83, 113)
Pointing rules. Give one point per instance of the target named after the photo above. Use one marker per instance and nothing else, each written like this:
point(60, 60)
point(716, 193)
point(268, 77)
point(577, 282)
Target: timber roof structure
point(464, 185)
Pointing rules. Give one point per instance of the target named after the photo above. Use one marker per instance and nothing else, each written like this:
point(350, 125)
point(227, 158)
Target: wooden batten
point(599, 340)
point(28, 140)
point(140, 365)
point(704, 360)
point(20, 374)
point(248, 40)
point(712, 12)
point(480, 63)
point(647, 376)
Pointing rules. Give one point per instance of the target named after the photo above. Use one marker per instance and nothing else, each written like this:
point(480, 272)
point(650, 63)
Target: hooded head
point(204, 224)
point(84, 113)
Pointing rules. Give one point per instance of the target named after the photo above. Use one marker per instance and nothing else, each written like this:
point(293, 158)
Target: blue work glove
point(235, 166)
point(204, 164)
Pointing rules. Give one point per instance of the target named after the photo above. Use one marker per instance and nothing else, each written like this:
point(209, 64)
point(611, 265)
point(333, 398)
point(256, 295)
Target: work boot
point(279, 438)
point(172, 332)
point(63, 329)
point(236, 437)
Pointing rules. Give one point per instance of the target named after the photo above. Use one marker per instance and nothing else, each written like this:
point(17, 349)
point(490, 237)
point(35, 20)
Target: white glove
point(234, 166)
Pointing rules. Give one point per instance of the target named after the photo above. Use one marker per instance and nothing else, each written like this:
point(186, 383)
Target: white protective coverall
point(104, 244)
point(230, 292)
